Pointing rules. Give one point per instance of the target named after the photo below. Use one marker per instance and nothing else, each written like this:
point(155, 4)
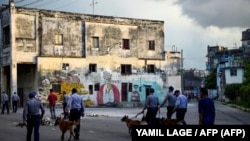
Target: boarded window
point(150, 68)
point(151, 45)
point(90, 89)
point(56, 88)
point(125, 44)
point(97, 86)
point(130, 87)
point(92, 68)
point(95, 42)
point(126, 69)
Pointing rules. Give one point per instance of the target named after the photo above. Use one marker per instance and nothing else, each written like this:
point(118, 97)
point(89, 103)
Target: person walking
point(206, 108)
point(15, 99)
point(152, 105)
point(181, 106)
point(52, 98)
point(65, 99)
point(76, 106)
point(5, 102)
point(32, 116)
point(171, 99)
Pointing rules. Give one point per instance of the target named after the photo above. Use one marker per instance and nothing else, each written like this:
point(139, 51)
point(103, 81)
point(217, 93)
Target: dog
point(130, 122)
point(46, 121)
point(21, 124)
point(66, 125)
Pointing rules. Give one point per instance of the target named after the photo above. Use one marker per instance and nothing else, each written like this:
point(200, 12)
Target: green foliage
point(210, 81)
point(247, 72)
point(232, 91)
point(244, 95)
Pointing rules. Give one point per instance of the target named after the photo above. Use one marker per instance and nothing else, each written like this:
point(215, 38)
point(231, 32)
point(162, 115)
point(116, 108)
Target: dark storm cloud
point(220, 13)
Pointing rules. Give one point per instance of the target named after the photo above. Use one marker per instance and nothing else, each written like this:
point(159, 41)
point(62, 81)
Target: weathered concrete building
point(108, 59)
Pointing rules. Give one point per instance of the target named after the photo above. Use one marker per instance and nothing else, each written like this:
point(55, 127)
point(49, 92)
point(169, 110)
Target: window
point(125, 44)
point(92, 68)
point(65, 66)
point(97, 86)
point(95, 42)
point(56, 88)
point(151, 45)
point(126, 69)
point(233, 72)
point(130, 87)
point(90, 89)
point(150, 68)
point(58, 39)
point(6, 35)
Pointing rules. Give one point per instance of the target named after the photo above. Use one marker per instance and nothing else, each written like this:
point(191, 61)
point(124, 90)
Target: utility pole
point(93, 6)
point(182, 79)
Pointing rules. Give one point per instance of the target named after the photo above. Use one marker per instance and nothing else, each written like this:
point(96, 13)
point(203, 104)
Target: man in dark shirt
point(206, 108)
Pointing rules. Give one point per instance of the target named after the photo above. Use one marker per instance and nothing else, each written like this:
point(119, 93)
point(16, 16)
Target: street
point(104, 123)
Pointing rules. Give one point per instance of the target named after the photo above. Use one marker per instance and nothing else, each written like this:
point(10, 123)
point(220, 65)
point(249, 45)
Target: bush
point(232, 91)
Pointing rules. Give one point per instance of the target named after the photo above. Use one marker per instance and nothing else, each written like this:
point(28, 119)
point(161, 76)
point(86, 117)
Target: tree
point(210, 81)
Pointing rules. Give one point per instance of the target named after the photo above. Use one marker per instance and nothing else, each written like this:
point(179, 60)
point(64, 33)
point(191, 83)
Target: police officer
point(5, 102)
point(152, 105)
point(15, 99)
point(32, 116)
point(76, 106)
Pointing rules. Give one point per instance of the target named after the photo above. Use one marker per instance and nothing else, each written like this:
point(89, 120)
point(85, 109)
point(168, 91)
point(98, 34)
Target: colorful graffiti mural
point(108, 92)
point(135, 95)
point(66, 84)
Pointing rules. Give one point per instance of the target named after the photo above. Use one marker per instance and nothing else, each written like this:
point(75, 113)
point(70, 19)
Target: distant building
point(193, 80)
point(246, 43)
point(228, 63)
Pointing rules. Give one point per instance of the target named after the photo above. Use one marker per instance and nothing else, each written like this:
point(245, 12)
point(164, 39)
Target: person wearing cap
point(152, 105)
point(180, 106)
point(171, 99)
point(15, 99)
point(76, 106)
point(32, 116)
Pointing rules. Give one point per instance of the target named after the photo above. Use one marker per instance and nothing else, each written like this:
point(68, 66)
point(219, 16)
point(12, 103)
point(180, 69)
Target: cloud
point(220, 13)
point(189, 25)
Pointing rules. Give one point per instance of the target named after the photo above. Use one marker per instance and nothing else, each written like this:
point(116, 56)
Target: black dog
point(21, 124)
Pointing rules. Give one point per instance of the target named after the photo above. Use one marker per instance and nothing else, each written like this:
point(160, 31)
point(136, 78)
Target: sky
point(190, 26)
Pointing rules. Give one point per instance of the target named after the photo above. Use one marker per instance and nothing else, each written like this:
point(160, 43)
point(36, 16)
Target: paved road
point(106, 122)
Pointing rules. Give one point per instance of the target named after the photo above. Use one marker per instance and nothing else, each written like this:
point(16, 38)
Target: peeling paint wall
point(52, 39)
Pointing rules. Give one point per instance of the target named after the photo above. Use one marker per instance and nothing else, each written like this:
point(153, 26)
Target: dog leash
point(137, 115)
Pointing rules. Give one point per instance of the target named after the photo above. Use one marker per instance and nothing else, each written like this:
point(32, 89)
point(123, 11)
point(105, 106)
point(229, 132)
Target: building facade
point(110, 60)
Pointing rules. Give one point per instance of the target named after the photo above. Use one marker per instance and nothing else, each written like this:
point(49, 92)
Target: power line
point(31, 3)
point(67, 4)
